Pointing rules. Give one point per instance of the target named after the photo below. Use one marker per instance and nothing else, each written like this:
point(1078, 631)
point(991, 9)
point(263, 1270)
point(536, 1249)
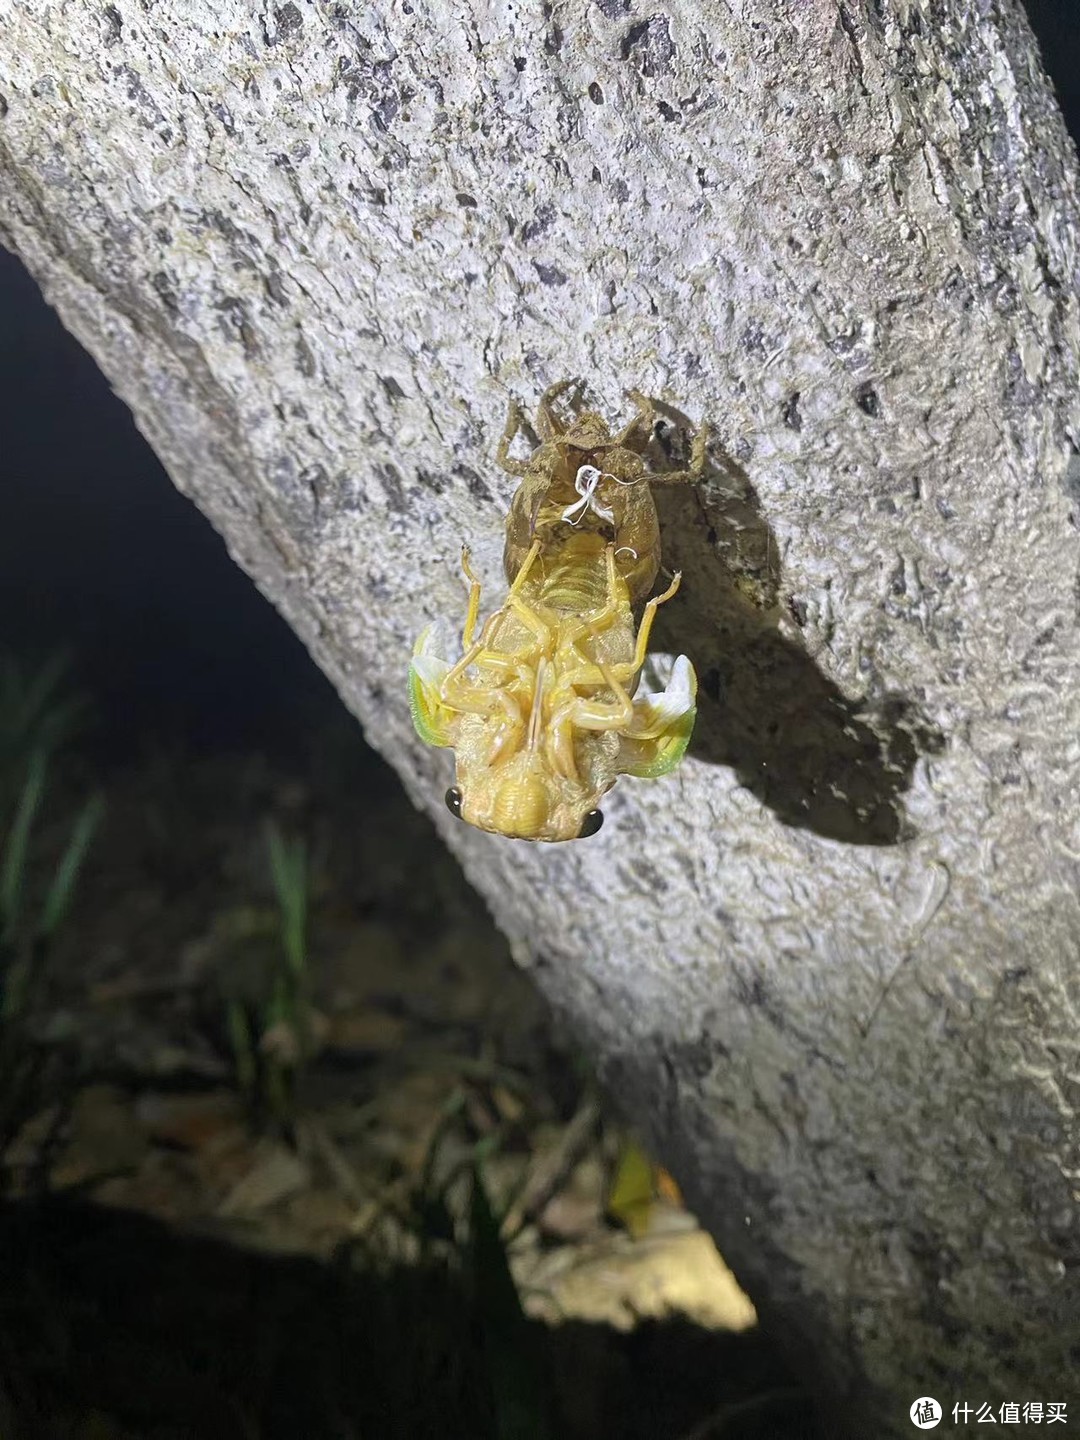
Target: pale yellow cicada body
point(540, 710)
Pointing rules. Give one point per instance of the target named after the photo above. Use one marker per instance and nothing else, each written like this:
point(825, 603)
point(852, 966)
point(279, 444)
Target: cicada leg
point(439, 690)
point(627, 669)
point(695, 469)
point(585, 673)
point(461, 694)
point(515, 421)
point(582, 712)
point(532, 622)
point(483, 697)
point(519, 663)
point(488, 700)
point(641, 649)
point(643, 420)
point(525, 613)
point(473, 612)
point(531, 557)
point(479, 651)
point(587, 712)
point(508, 685)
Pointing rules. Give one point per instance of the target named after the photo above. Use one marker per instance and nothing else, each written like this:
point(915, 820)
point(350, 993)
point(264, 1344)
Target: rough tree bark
point(830, 965)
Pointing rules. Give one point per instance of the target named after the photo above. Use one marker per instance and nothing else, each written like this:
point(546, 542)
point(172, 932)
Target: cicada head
point(507, 783)
point(524, 799)
point(588, 432)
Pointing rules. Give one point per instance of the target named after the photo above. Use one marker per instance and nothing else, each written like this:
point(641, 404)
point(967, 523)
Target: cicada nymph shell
point(541, 709)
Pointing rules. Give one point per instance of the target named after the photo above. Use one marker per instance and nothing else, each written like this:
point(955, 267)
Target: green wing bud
point(657, 737)
point(433, 719)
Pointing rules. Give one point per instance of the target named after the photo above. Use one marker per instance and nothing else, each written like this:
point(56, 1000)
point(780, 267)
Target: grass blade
point(243, 1049)
point(13, 863)
point(288, 865)
point(58, 899)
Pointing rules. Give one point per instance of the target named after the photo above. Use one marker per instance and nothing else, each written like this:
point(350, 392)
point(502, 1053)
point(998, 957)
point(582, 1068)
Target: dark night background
point(100, 555)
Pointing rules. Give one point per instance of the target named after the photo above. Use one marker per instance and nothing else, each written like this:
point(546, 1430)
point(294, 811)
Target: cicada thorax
point(569, 492)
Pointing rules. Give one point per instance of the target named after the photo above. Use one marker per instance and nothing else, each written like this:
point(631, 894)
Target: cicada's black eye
point(453, 801)
point(591, 824)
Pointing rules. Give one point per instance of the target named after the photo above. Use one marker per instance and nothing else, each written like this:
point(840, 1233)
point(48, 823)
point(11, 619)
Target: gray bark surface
point(829, 965)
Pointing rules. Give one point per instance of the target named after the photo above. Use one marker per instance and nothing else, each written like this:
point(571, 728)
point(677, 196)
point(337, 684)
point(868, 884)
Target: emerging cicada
point(540, 709)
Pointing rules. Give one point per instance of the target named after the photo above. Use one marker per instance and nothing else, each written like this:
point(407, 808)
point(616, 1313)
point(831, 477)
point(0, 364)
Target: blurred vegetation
point(39, 868)
point(458, 1249)
point(120, 1327)
point(273, 1037)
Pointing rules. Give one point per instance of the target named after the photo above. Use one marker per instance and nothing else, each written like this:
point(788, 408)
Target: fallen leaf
point(276, 1174)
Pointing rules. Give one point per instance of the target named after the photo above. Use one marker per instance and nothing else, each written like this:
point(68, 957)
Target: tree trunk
point(830, 964)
